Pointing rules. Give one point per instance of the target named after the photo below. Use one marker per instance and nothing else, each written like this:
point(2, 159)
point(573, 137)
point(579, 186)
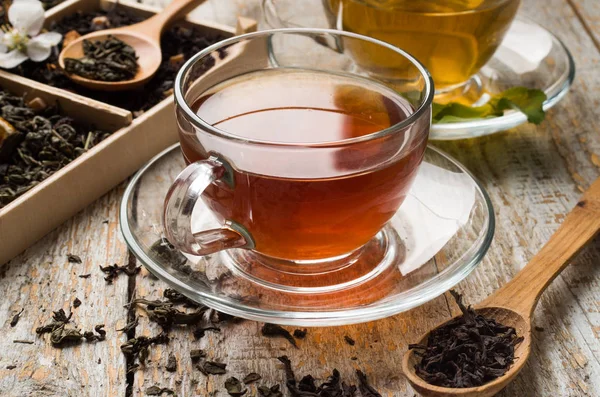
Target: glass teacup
point(452, 38)
point(301, 152)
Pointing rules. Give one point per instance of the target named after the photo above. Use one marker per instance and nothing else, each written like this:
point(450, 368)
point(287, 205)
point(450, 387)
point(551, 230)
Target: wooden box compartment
point(133, 142)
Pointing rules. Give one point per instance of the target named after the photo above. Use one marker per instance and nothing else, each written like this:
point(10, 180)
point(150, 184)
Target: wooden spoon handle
point(154, 26)
point(522, 293)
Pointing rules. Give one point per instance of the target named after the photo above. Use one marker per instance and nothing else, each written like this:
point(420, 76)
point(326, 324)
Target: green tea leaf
point(528, 101)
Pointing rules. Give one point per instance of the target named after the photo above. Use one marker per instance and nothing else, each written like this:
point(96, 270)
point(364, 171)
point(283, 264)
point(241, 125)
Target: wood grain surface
point(534, 175)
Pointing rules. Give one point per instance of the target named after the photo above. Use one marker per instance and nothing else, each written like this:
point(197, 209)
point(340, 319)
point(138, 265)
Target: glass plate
point(438, 236)
point(529, 56)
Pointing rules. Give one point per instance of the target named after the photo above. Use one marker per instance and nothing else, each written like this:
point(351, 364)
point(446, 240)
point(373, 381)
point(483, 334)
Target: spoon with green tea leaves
point(510, 307)
point(123, 58)
point(526, 100)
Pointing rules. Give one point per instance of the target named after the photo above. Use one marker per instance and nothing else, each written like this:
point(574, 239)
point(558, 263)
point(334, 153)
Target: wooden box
point(134, 141)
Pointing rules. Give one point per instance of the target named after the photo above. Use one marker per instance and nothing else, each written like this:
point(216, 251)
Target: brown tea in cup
point(348, 194)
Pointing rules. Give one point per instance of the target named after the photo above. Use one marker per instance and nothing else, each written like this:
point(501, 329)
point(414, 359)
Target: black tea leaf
point(197, 354)
point(157, 391)
point(468, 351)
point(73, 258)
point(212, 368)
point(171, 363)
point(300, 333)
point(366, 390)
point(273, 330)
point(16, 318)
point(251, 377)
point(234, 387)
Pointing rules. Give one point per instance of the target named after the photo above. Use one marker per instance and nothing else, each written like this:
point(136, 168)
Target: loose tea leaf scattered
point(300, 333)
point(63, 333)
point(332, 387)
point(85, 275)
point(234, 387)
point(26, 342)
point(16, 318)
point(73, 258)
point(366, 390)
point(171, 363)
point(129, 326)
point(11, 366)
point(59, 329)
point(468, 351)
point(113, 271)
point(273, 330)
point(36, 144)
point(212, 368)
point(166, 315)
point(90, 336)
point(273, 391)
point(157, 391)
point(200, 332)
point(105, 60)
point(175, 297)
point(197, 354)
point(349, 340)
point(76, 303)
point(307, 383)
point(348, 390)
point(251, 377)
point(138, 347)
point(290, 377)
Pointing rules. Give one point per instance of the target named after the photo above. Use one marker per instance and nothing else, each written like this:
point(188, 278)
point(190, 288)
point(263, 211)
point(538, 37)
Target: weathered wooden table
point(533, 174)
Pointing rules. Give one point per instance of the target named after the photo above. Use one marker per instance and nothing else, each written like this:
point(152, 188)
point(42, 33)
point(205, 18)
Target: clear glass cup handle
point(179, 204)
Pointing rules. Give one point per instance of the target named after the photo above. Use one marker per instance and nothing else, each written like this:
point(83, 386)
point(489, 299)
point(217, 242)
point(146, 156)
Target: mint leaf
point(454, 112)
point(524, 100)
point(528, 101)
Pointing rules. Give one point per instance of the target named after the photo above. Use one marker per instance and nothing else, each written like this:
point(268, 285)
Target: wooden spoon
point(144, 37)
point(514, 303)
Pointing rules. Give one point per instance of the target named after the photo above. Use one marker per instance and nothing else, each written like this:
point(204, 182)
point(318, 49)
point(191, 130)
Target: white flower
point(22, 41)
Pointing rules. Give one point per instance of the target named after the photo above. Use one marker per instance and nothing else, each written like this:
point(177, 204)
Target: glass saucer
point(529, 56)
point(441, 232)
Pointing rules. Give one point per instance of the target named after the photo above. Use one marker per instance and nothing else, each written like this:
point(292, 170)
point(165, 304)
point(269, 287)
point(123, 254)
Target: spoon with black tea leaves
point(143, 37)
point(513, 304)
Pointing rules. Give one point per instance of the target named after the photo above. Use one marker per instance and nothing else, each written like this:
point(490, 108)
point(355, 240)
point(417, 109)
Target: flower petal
point(40, 47)
point(37, 51)
point(48, 39)
point(27, 16)
point(3, 47)
point(12, 59)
